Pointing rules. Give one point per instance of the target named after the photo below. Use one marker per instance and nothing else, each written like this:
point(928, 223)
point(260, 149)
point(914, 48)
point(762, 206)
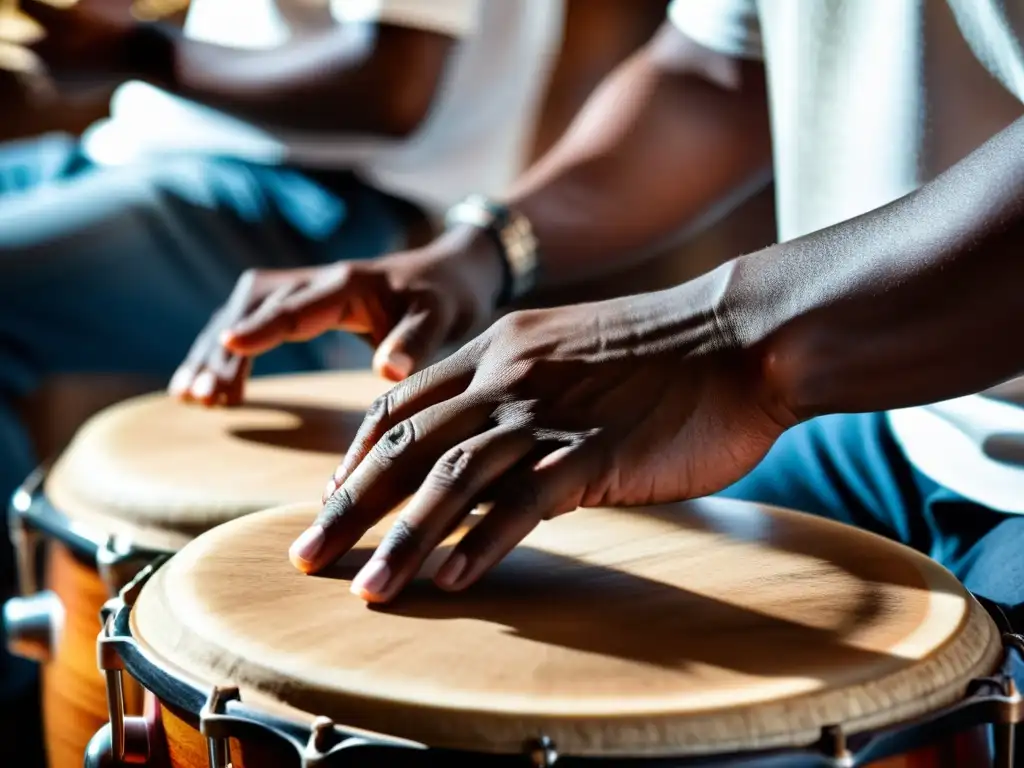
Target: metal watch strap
point(513, 235)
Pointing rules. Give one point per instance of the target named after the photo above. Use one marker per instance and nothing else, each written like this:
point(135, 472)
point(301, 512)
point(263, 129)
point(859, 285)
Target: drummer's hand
point(627, 402)
point(86, 38)
point(406, 305)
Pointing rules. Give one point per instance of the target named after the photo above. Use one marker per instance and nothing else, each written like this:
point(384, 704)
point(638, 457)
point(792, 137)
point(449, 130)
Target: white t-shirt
point(869, 100)
point(473, 140)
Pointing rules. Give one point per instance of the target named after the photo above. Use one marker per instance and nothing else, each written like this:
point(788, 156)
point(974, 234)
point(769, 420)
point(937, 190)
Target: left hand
point(85, 40)
point(627, 402)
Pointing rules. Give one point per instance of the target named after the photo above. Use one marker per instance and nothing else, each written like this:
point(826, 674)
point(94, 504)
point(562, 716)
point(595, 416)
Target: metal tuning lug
point(33, 621)
point(119, 563)
point(833, 746)
point(125, 740)
point(542, 753)
point(321, 741)
point(33, 625)
point(99, 752)
point(214, 726)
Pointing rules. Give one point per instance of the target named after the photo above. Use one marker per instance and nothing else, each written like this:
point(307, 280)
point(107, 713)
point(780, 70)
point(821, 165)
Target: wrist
point(475, 258)
point(753, 319)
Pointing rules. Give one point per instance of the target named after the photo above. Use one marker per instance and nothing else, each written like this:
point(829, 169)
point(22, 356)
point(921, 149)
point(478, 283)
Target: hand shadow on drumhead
point(560, 601)
point(316, 429)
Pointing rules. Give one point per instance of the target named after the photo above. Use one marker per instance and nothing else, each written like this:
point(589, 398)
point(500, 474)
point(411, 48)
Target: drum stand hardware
point(543, 753)
point(34, 620)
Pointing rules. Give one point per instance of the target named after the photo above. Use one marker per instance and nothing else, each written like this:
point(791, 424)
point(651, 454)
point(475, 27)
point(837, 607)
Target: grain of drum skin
point(592, 619)
point(159, 472)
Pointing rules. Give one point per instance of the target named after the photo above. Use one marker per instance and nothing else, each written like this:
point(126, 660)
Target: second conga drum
point(143, 478)
point(716, 631)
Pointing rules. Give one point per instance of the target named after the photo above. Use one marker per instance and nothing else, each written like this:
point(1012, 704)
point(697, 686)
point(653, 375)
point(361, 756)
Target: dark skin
point(676, 394)
point(351, 78)
point(707, 113)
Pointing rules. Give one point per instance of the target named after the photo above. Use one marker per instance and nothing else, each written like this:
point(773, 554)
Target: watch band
point(512, 233)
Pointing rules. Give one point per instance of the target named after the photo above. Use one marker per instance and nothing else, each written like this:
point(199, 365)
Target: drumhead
point(159, 471)
point(696, 628)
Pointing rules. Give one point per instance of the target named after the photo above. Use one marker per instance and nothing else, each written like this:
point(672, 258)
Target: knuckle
point(381, 408)
point(453, 470)
point(336, 507)
point(402, 540)
point(394, 442)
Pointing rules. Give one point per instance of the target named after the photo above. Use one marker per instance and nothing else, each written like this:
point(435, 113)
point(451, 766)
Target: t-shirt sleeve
point(458, 18)
point(730, 27)
point(994, 30)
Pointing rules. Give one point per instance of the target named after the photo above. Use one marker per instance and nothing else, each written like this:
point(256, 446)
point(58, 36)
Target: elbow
point(404, 109)
point(404, 80)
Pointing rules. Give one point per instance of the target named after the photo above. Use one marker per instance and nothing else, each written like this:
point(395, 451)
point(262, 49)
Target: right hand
point(406, 305)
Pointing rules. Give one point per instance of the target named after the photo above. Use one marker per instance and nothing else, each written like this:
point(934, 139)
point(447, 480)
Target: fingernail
point(450, 572)
point(179, 381)
point(305, 548)
point(204, 384)
point(371, 581)
point(329, 490)
point(399, 363)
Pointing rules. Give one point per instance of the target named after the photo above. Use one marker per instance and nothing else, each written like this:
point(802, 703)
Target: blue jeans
point(850, 468)
point(118, 269)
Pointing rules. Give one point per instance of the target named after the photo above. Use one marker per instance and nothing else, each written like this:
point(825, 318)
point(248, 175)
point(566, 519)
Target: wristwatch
point(513, 235)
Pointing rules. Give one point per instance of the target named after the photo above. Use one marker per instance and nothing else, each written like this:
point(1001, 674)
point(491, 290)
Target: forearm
point(916, 302)
point(675, 132)
point(350, 78)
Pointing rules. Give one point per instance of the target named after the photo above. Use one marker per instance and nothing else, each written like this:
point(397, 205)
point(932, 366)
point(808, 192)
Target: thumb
point(416, 337)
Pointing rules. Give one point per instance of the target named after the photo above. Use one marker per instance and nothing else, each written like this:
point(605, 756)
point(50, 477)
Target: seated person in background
point(267, 134)
point(898, 283)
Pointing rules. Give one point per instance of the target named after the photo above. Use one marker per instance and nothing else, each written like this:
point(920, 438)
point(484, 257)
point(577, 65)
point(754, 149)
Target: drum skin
point(687, 572)
point(210, 465)
point(74, 695)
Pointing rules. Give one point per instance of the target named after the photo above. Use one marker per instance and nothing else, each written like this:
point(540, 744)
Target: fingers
point(387, 475)
point(416, 337)
point(446, 496)
point(551, 489)
point(444, 381)
point(220, 382)
point(358, 303)
point(210, 375)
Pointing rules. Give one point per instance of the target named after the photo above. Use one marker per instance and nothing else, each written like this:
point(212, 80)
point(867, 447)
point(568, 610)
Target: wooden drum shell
point(73, 693)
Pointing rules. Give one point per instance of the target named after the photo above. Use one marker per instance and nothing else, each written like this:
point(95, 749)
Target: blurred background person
point(261, 134)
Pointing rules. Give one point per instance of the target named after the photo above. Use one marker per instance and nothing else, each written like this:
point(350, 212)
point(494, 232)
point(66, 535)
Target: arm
point(913, 303)
point(674, 131)
point(362, 78)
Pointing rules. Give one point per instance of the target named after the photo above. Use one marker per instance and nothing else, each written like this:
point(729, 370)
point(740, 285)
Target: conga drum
point(709, 633)
point(140, 479)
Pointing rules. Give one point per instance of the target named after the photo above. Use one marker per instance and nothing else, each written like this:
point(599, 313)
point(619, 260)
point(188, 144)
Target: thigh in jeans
point(846, 467)
point(117, 270)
